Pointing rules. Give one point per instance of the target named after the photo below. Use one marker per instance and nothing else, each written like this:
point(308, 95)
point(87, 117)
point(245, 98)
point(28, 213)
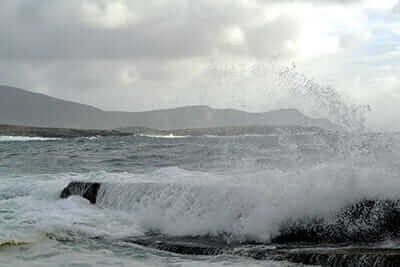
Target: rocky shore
point(352, 237)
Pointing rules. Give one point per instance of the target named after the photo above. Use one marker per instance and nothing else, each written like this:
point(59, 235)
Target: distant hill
point(21, 107)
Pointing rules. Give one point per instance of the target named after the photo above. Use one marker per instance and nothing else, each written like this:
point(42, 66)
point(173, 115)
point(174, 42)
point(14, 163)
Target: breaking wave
point(246, 207)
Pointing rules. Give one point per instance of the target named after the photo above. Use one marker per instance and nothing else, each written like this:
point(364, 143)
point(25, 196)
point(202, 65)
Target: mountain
point(21, 107)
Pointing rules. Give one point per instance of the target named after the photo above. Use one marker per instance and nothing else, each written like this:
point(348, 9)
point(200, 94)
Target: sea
point(238, 188)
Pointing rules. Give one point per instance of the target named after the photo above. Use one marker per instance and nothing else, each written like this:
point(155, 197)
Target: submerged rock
point(83, 189)
point(13, 243)
point(181, 245)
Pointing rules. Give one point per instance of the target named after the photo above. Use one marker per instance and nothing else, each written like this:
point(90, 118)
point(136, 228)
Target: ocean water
point(242, 188)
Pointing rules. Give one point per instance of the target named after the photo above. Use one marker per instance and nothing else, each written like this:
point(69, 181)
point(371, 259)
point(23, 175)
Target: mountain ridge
point(22, 107)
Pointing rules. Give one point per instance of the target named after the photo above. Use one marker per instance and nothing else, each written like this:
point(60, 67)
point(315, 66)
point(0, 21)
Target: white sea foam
point(25, 138)
point(252, 206)
point(238, 136)
point(164, 136)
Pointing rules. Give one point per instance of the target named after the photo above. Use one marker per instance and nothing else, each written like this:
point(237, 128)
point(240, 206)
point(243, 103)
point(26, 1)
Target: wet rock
point(83, 189)
point(364, 221)
point(185, 246)
point(322, 255)
point(344, 257)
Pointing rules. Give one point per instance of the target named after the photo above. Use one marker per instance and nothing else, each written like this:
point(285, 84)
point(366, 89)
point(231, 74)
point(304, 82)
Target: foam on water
point(25, 138)
point(36, 208)
point(245, 207)
point(164, 136)
point(36, 213)
point(179, 202)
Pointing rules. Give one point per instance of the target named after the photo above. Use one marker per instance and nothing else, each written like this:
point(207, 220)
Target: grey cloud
point(52, 48)
point(50, 30)
point(57, 47)
point(269, 39)
point(314, 1)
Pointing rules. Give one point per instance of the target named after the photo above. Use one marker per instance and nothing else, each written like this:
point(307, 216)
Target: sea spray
point(323, 100)
point(243, 208)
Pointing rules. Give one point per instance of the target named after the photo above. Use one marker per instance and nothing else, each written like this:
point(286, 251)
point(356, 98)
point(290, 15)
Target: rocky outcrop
point(321, 255)
point(364, 221)
point(83, 189)
point(329, 256)
point(183, 245)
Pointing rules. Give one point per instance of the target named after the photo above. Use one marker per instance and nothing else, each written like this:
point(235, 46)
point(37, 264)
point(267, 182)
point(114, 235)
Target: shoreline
point(30, 131)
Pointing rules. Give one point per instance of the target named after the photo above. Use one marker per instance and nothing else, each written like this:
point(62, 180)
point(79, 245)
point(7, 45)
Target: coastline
point(17, 130)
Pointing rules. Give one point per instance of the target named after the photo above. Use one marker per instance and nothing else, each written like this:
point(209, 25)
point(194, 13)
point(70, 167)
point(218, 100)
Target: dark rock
point(311, 255)
point(183, 246)
point(364, 221)
point(83, 189)
point(343, 257)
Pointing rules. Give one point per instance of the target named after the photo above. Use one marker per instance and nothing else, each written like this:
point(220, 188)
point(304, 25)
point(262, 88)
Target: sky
point(327, 58)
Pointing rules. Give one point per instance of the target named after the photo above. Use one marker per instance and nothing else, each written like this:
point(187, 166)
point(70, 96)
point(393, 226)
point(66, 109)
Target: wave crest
point(253, 207)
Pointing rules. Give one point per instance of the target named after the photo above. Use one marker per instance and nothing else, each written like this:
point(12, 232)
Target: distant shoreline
point(17, 130)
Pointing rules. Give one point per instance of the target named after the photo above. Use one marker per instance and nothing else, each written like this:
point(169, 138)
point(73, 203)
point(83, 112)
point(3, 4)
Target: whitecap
point(25, 138)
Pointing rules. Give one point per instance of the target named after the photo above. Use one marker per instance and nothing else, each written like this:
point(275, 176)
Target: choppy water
point(240, 187)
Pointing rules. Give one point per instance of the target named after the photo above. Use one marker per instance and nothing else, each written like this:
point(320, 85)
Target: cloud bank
point(138, 55)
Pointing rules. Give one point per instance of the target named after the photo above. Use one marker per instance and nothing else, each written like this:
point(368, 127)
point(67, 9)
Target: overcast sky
point(247, 54)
